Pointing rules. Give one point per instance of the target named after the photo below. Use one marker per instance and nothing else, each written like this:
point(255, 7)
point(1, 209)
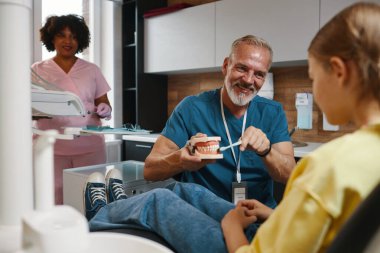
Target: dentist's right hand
point(166, 160)
point(191, 161)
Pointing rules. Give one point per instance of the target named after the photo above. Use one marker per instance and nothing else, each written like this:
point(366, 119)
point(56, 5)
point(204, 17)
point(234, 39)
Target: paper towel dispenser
point(304, 105)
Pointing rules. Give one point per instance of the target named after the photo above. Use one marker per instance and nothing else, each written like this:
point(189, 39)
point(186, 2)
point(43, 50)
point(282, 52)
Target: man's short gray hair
point(255, 41)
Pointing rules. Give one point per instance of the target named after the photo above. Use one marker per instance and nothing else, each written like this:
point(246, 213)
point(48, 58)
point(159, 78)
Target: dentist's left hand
point(104, 111)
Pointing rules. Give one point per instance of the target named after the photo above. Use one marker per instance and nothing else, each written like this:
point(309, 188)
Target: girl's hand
point(233, 225)
point(256, 208)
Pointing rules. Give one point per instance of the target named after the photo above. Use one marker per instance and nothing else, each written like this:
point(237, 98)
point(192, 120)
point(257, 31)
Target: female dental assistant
point(69, 35)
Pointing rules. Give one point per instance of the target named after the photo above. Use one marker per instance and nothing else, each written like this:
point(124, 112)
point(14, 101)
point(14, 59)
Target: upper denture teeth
point(208, 149)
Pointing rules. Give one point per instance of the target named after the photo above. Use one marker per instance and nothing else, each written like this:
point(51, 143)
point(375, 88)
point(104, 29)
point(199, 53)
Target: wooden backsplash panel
point(287, 82)
point(180, 86)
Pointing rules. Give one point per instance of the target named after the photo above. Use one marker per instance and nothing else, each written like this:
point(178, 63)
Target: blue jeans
point(186, 215)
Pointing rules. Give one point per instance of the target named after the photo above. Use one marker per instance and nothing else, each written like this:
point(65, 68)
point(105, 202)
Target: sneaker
point(115, 190)
point(94, 194)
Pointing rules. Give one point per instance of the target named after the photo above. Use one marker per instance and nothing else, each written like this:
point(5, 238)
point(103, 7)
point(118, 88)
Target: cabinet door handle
point(143, 146)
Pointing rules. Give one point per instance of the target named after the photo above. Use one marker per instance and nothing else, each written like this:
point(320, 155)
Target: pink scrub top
point(86, 81)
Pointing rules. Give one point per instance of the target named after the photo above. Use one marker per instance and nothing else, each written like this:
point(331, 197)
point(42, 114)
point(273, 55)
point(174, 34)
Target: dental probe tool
point(90, 112)
point(221, 149)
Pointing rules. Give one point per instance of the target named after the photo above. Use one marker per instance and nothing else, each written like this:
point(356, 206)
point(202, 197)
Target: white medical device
point(49, 100)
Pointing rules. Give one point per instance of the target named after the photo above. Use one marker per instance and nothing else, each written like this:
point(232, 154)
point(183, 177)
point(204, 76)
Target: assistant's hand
point(254, 139)
point(104, 111)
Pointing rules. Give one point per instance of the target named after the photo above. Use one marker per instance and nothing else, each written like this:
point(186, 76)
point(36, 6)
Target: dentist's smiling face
point(65, 43)
point(244, 72)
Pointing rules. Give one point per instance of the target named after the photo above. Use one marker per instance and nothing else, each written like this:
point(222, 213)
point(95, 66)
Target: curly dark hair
point(55, 24)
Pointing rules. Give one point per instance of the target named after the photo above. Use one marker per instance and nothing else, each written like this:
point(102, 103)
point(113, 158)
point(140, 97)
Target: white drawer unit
point(74, 181)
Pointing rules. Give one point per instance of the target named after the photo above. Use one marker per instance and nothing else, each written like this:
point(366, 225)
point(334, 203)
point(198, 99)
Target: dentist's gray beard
point(241, 99)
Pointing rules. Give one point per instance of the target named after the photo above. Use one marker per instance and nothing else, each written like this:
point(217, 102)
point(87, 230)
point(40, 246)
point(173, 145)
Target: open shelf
point(144, 95)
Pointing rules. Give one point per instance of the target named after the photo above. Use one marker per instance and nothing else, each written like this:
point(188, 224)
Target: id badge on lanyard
point(239, 191)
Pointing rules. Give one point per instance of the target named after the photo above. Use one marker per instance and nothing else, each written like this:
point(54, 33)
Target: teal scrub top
point(201, 114)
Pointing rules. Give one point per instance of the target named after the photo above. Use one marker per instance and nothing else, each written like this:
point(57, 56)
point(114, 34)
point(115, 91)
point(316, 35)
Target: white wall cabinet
point(330, 8)
point(199, 38)
point(182, 40)
point(288, 25)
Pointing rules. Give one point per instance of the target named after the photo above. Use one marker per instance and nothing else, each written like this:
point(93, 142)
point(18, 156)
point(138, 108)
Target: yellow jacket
point(324, 189)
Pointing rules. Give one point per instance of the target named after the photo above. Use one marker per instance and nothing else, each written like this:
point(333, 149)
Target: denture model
point(205, 147)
